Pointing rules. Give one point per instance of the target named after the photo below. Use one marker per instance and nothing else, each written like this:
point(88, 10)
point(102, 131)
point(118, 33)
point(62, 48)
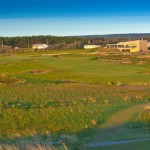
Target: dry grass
point(126, 62)
point(142, 62)
point(145, 72)
point(7, 79)
point(144, 118)
point(69, 142)
point(30, 147)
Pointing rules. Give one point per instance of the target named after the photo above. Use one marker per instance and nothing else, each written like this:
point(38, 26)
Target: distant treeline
point(131, 36)
point(58, 42)
point(28, 41)
point(55, 42)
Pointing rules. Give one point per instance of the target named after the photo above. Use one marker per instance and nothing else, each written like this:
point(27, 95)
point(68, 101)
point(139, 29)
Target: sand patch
point(40, 71)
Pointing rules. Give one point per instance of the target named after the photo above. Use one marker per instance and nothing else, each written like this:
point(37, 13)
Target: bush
point(6, 79)
point(144, 118)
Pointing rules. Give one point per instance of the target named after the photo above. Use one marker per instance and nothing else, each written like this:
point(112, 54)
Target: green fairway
point(74, 68)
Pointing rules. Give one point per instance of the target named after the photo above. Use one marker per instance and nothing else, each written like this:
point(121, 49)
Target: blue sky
point(73, 17)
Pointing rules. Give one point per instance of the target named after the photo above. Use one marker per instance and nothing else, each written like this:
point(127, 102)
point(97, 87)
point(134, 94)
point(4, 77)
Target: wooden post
point(28, 43)
point(47, 42)
point(2, 43)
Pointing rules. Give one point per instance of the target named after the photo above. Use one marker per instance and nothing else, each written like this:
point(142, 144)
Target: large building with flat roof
point(130, 46)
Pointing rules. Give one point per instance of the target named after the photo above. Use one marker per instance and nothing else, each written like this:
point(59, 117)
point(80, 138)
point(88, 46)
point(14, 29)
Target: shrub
point(144, 118)
point(6, 79)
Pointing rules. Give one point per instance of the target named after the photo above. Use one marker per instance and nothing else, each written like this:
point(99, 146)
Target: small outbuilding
point(91, 46)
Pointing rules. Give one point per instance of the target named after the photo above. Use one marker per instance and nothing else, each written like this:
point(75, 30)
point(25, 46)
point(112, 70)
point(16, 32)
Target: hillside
point(126, 36)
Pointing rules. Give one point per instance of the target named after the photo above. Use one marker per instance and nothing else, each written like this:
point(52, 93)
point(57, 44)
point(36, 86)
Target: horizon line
point(76, 35)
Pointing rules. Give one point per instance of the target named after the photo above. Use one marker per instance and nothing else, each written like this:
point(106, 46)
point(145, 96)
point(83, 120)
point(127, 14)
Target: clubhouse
point(130, 46)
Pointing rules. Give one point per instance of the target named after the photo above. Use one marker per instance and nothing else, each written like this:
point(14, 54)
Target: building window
point(126, 50)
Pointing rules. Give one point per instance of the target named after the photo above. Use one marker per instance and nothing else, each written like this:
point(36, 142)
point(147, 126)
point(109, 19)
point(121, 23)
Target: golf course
point(84, 97)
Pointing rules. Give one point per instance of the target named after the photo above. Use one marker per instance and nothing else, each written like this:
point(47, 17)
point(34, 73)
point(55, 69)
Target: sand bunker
point(40, 71)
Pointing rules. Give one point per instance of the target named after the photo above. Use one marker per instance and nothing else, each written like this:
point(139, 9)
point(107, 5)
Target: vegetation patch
point(64, 81)
point(126, 61)
point(76, 96)
point(145, 72)
point(30, 60)
point(142, 62)
point(44, 142)
point(124, 58)
point(27, 146)
point(9, 64)
point(67, 107)
point(144, 118)
point(7, 79)
point(56, 55)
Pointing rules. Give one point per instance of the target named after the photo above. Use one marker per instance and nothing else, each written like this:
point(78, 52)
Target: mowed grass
point(75, 68)
point(142, 145)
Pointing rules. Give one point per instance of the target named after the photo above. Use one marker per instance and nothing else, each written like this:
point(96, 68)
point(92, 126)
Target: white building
point(39, 46)
point(91, 46)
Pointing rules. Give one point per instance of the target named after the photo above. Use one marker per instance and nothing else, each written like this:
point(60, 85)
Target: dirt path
point(123, 116)
point(115, 142)
point(113, 129)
